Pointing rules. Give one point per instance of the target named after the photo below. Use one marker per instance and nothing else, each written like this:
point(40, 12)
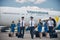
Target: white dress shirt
point(31, 23)
point(50, 23)
point(22, 23)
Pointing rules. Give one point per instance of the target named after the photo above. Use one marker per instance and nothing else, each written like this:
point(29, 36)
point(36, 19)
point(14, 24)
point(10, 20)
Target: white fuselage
point(8, 14)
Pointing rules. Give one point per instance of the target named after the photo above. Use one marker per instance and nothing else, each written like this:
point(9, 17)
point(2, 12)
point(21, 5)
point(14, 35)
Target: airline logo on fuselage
point(36, 12)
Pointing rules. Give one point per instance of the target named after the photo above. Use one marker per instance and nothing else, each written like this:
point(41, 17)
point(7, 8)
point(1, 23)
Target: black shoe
point(32, 38)
point(22, 37)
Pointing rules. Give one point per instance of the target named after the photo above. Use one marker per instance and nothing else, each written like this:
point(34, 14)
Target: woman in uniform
point(40, 28)
point(12, 27)
point(18, 27)
point(46, 28)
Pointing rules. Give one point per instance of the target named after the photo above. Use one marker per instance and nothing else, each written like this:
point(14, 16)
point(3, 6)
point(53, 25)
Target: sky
point(49, 4)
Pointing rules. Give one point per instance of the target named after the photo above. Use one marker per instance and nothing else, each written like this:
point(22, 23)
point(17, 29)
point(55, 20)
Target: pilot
point(40, 28)
point(31, 25)
point(22, 26)
point(50, 24)
point(13, 27)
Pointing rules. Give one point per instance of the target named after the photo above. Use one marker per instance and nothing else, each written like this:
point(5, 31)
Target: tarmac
point(4, 36)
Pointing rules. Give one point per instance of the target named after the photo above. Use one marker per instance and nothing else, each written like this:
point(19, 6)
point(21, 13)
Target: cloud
point(33, 1)
point(24, 8)
point(21, 1)
point(35, 8)
point(28, 8)
point(39, 1)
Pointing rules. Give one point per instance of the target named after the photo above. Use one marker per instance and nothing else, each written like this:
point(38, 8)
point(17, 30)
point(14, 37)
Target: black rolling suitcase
point(44, 35)
point(10, 35)
point(20, 36)
point(16, 34)
point(53, 34)
point(37, 34)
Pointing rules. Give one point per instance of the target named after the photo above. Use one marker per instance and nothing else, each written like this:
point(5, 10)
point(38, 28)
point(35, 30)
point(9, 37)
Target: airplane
point(8, 14)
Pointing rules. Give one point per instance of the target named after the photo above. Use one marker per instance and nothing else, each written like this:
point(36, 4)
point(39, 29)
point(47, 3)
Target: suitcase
point(16, 34)
point(10, 35)
point(53, 34)
point(37, 34)
point(20, 36)
point(44, 35)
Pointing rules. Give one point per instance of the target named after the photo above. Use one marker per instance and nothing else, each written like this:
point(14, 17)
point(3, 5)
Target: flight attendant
point(40, 28)
point(18, 27)
point(31, 25)
point(22, 26)
point(46, 28)
point(12, 27)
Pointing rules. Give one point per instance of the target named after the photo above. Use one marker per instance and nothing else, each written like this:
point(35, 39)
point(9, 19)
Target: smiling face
point(31, 18)
point(22, 18)
point(18, 20)
point(12, 21)
point(39, 20)
point(50, 18)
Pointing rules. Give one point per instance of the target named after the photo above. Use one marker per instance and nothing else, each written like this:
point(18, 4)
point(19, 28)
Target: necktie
point(31, 23)
point(50, 22)
point(22, 23)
